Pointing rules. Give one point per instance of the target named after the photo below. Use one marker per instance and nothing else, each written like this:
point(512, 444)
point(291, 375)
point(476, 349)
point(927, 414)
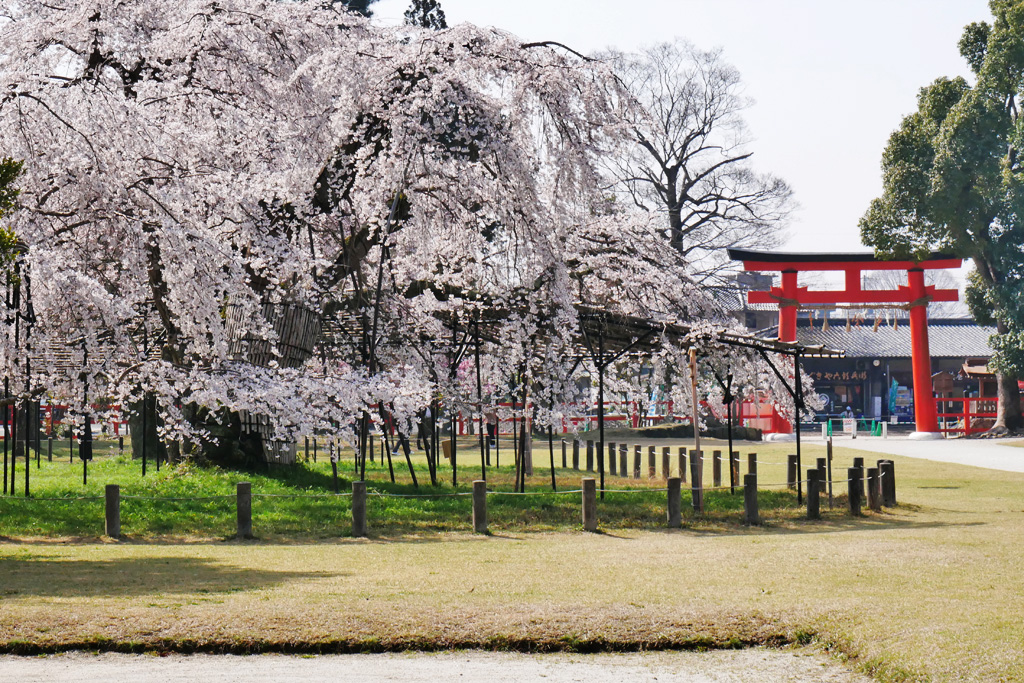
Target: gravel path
point(732, 666)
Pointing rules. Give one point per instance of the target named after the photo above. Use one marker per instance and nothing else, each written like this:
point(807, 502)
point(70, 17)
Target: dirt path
point(732, 666)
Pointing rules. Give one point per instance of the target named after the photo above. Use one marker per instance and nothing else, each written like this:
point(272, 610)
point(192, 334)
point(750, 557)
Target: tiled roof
point(946, 339)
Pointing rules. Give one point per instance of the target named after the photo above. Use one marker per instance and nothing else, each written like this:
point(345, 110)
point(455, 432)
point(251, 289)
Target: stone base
point(925, 436)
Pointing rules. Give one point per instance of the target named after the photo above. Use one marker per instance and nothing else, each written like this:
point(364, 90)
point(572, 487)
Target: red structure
point(915, 295)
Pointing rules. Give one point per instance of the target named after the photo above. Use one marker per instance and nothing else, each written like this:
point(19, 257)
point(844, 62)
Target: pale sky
point(831, 79)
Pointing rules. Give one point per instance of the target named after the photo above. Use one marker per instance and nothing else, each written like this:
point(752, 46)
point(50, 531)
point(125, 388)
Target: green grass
point(296, 502)
point(929, 590)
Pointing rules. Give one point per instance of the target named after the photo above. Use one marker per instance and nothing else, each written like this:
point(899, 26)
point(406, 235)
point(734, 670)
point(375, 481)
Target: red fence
point(765, 417)
point(966, 415)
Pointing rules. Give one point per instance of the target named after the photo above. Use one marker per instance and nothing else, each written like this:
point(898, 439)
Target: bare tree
point(691, 160)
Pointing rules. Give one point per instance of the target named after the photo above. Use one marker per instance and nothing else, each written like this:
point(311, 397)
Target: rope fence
point(872, 485)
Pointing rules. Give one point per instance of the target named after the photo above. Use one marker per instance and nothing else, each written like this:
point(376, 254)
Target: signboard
point(849, 426)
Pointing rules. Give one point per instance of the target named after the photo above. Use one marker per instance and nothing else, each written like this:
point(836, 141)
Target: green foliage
point(357, 6)
point(953, 179)
point(426, 14)
point(9, 172)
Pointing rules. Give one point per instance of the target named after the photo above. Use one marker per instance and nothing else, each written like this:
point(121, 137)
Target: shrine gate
point(914, 296)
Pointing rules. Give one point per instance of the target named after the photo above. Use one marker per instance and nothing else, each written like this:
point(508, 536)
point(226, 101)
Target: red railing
point(765, 417)
point(955, 421)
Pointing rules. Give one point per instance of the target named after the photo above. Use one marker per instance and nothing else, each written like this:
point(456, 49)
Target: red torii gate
point(915, 295)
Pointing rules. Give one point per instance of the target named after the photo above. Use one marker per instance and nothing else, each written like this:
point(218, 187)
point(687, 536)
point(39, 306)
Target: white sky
point(831, 79)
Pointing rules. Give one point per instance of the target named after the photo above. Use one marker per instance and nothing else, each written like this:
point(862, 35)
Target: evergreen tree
point(358, 6)
point(426, 14)
point(9, 170)
point(953, 180)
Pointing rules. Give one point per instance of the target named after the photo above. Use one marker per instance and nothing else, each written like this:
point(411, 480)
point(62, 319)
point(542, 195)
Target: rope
point(33, 498)
point(300, 495)
point(155, 498)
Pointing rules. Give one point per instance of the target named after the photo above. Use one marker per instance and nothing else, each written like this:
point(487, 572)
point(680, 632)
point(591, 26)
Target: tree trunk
point(1008, 416)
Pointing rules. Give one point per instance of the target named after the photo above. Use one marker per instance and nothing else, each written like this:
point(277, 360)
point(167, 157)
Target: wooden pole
point(624, 461)
point(751, 463)
point(750, 511)
point(853, 487)
point(359, 509)
point(613, 459)
point(696, 455)
point(814, 479)
point(682, 463)
point(666, 462)
point(480, 408)
point(716, 468)
point(637, 457)
point(675, 503)
point(551, 448)
point(696, 479)
point(734, 470)
point(652, 469)
point(589, 504)
point(828, 450)
point(480, 506)
point(243, 509)
point(874, 494)
point(112, 526)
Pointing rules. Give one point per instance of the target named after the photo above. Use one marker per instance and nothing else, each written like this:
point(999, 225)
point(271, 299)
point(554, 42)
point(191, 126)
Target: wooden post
point(697, 480)
point(113, 511)
point(480, 505)
point(590, 456)
point(576, 454)
point(859, 464)
point(652, 470)
point(853, 487)
point(49, 449)
point(666, 462)
point(874, 495)
point(623, 460)
point(828, 473)
point(814, 494)
point(887, 481)
point(682, 463)
point(750, 512)
point(589, 504)
point(822, 468)
point(563, 454)
point(613, 459)
point(792, 473)
point(120, 445)
point(243, 507)
point(675, 503)
point(716, 468)
point(359, 509)
point(751, 463)
point(734, 470)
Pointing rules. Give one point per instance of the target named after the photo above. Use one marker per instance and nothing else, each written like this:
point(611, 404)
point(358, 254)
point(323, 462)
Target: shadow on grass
point(27, 574)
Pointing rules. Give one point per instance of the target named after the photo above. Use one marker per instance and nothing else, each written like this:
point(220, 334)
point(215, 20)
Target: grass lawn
point(931, 589)
point(189, 503)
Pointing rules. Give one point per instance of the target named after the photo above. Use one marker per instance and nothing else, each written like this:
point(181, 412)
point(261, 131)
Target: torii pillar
point(916, 295)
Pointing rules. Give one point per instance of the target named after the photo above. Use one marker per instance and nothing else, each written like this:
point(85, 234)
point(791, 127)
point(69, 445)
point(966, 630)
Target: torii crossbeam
point(915, 296)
